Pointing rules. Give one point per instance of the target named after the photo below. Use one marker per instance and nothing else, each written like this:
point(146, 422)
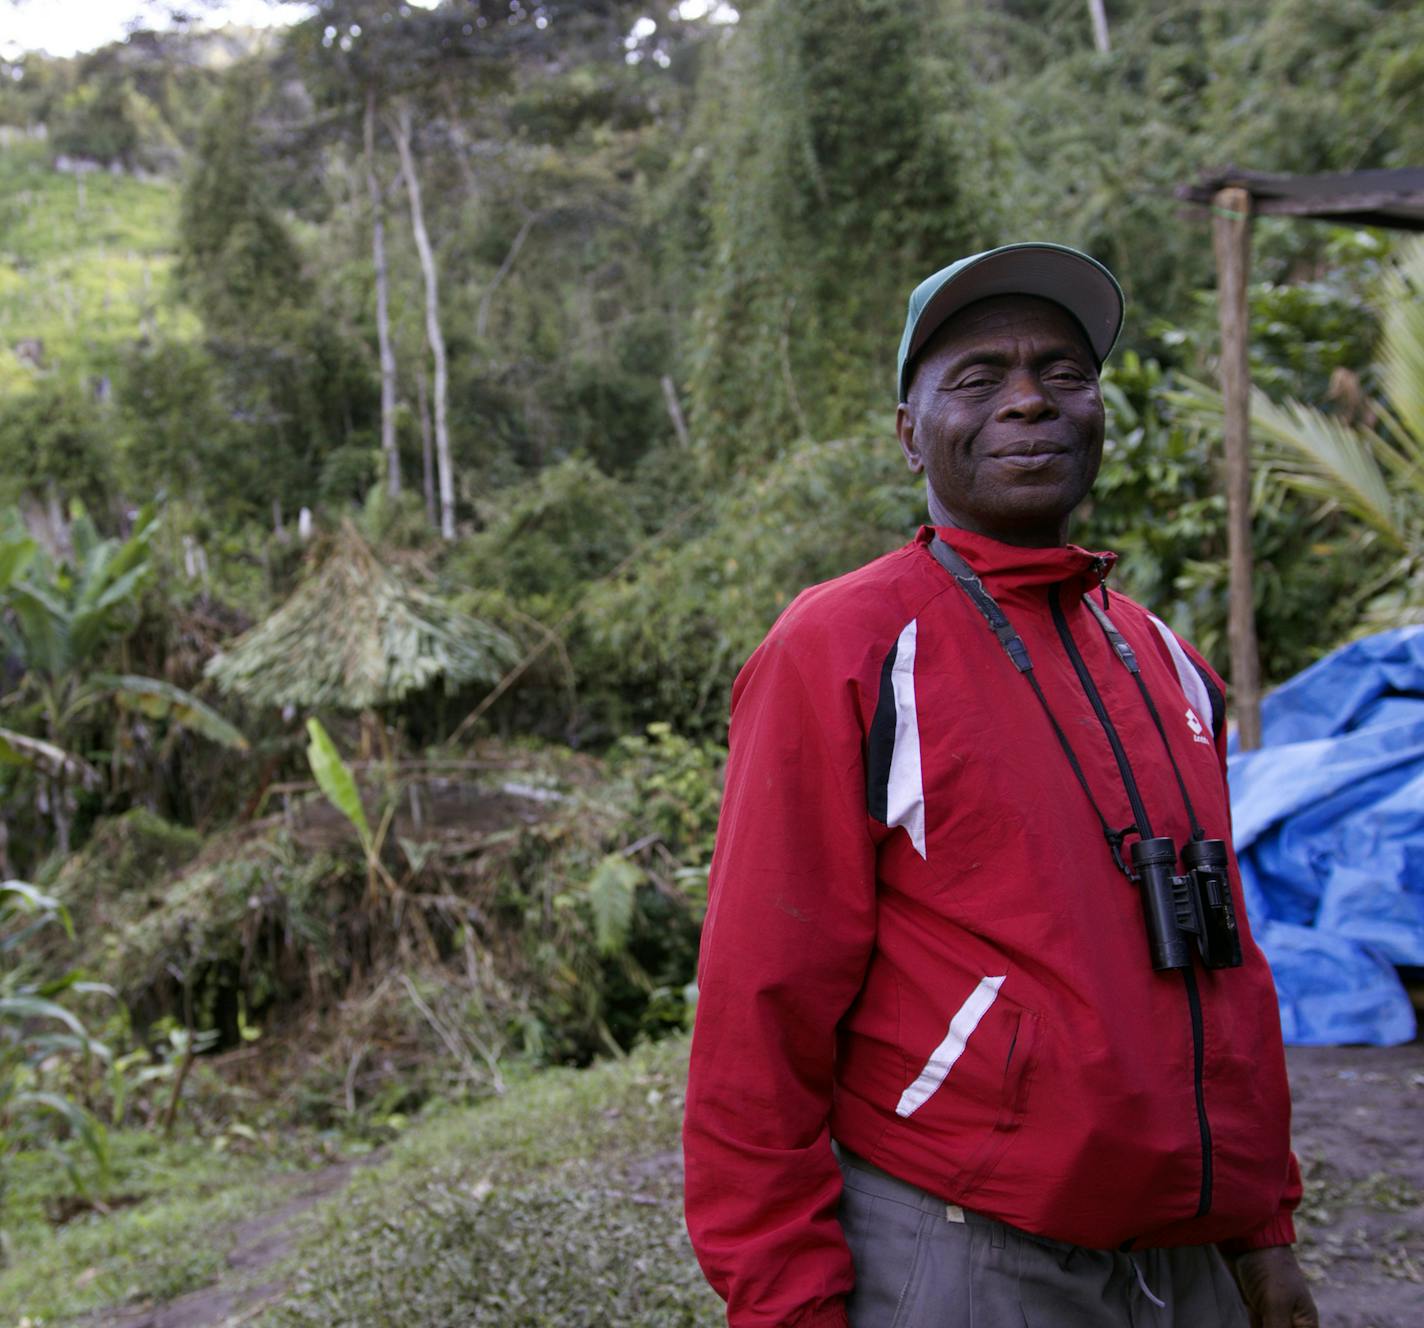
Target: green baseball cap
point(1082, 285)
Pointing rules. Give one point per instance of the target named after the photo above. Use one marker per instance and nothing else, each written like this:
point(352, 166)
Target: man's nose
point(1025, 398)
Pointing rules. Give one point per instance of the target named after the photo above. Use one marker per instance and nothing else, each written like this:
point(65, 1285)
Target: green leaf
point(92, 616)
point(1402, 345)
point(36, 1007)
point(16, 552)
point(43, 627)
point(162, 700)
point(21, 896)
point(334, 778)
point(93, 1135)
point(21, 749)
point(612, 892)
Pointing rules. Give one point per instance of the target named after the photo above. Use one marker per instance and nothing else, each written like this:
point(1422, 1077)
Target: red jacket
point(917, 942)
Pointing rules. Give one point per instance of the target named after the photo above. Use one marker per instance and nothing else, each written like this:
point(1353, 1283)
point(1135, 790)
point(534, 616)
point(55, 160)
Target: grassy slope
point(146, 1249)
point(559, 1204)
point(80, 279)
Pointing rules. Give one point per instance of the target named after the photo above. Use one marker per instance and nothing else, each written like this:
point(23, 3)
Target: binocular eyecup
point(1195, 906)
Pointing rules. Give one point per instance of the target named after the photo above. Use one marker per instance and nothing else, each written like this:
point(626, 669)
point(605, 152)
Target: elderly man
point(982, 1035)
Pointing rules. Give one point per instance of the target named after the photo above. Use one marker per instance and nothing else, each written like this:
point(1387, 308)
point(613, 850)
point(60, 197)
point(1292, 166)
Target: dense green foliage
point(836, 174)
point(669, 259)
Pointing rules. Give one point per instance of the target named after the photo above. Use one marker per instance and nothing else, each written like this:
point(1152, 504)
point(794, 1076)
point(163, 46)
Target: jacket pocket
point(973, 1088)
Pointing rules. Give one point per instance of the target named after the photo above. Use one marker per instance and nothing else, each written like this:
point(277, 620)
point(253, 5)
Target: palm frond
point(1316, 454)
point(1401, 354)
point(1319, 455)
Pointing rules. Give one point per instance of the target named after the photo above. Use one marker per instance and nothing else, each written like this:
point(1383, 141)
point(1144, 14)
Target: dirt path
point(1358, 1117)
point(257, 1244)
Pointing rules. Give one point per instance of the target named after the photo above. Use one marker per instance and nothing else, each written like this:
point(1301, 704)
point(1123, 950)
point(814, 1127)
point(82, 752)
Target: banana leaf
point(334, 778)
point(162, 700)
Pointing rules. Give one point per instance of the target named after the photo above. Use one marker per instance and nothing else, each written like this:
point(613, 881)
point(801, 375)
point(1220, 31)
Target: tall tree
point(287, 377)
point(837, 173)
point(383, 308)
point(401, 132)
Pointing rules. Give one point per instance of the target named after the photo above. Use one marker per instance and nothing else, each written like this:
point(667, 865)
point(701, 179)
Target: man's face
point(1006, 420)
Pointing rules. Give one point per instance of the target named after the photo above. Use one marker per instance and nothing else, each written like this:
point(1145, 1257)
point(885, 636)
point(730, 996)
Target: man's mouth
point(1030, 456)
point(1030, 450)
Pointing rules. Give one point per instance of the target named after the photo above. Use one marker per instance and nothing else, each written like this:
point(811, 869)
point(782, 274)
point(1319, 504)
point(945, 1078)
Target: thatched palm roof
point(356, 633)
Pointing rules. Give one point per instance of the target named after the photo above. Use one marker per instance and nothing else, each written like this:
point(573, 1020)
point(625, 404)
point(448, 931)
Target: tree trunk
point(401, 132)
point(460, 142)
point(1100, 25)
point(383, 304)
point(674, 410)
point(1231, 229)
point(427, 447)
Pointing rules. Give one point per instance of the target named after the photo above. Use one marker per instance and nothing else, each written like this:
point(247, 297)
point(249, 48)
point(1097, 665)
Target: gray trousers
point(920, 1263)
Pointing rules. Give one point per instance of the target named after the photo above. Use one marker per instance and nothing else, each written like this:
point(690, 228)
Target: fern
point(612, 892)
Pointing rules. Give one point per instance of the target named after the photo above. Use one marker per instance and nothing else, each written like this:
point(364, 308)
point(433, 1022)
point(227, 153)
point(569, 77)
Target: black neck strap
point(1013, 645)
point(968, 581)
point(1129, 658)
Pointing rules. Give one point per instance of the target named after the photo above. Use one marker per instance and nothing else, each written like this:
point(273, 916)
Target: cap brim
point(1081, 285)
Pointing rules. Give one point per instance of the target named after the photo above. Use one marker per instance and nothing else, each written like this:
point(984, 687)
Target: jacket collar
point(1007, 567)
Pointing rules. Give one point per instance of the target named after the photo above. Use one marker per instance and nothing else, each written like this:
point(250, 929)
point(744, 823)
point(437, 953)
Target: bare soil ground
point(1358, 1113)
point(1357, 1126)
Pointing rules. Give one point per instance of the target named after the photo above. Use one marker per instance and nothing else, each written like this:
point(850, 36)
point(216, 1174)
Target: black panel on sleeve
point(880, 742)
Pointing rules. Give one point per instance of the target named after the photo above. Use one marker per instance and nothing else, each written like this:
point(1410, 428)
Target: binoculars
point(1196, 904)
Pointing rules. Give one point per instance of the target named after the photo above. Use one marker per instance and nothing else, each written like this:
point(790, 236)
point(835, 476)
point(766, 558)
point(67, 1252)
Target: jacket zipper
point(1189, 976)
point(1144, 829)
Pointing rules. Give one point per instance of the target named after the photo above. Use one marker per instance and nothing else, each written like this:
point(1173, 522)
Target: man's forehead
point(1008, 316)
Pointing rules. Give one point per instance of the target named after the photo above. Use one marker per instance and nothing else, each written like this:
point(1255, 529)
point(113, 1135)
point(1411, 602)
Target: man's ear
point(905, 432)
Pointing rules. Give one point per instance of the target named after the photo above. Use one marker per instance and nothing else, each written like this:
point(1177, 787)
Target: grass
point(141, 1249)
point(558, 1204)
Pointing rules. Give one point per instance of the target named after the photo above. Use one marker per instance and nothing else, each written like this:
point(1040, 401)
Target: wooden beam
point(1231, 236)
point(1306, 206)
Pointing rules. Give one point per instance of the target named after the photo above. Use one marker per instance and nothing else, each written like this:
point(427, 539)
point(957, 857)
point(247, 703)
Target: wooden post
point(1231, 234)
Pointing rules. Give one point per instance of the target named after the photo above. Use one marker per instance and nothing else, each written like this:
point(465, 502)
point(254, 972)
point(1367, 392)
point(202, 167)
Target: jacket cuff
point(1280, 1230)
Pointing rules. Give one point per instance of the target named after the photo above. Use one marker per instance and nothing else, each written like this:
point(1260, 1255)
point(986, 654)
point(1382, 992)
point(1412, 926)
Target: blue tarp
point(1329, 828)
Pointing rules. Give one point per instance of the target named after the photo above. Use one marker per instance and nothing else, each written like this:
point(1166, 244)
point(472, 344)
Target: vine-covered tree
point(839, 171)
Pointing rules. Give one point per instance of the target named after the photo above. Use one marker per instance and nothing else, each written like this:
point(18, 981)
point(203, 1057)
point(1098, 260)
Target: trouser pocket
point(911, 1265)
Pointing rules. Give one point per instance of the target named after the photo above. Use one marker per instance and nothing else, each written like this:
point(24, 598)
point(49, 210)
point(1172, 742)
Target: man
point(942, 1073)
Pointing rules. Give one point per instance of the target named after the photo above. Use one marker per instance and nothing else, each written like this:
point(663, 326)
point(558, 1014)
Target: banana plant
point(337, 781)
point(58, 620)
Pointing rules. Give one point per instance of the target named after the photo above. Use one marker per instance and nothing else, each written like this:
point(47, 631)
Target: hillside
point(84, 265)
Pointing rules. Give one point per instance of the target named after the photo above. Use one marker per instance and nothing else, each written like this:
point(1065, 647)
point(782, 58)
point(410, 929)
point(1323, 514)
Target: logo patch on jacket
point(1195, 725)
